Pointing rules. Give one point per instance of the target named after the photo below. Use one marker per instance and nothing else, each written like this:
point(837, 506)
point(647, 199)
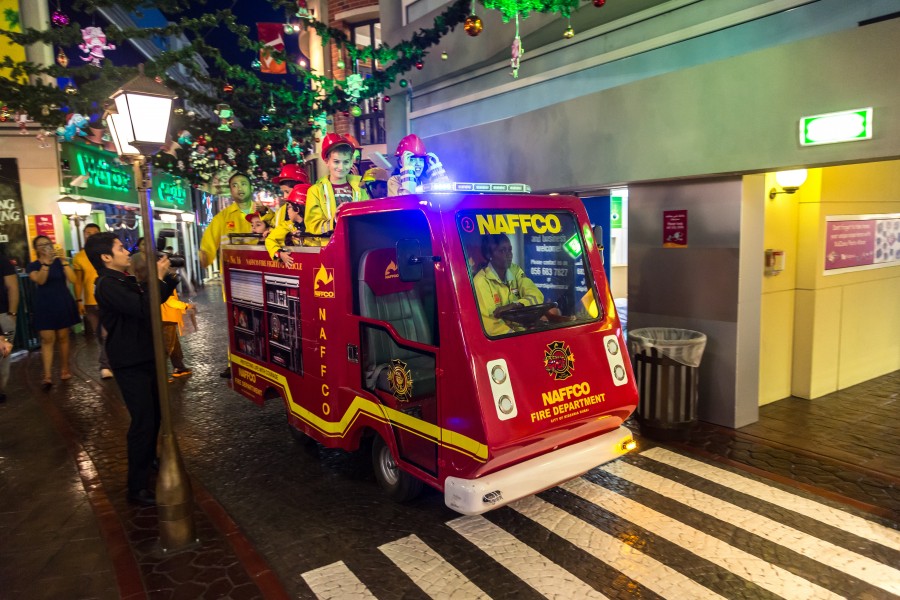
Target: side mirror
point(409, 263)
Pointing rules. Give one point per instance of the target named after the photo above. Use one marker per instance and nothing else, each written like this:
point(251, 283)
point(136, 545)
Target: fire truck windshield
point(528, 270)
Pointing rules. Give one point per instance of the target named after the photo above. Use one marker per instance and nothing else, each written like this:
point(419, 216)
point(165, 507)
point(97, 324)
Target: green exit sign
point(831, 128)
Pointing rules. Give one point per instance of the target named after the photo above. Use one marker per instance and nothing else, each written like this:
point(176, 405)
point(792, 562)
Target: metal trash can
point(666, 362)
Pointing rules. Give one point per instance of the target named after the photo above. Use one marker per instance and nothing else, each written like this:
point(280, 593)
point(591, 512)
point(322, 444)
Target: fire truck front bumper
point(476, 496)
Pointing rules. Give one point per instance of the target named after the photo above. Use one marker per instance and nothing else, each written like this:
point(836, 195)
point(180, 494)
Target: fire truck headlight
point(498, 374)
point(612, 346)
point(505, 404)
point(629, 445)
point(501, 389)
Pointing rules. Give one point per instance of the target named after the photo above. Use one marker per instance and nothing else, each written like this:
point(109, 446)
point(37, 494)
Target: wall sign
point(860, 242)
point(170, 192)
point(13, 235)
point(40, 225)
point(675, 229)
point(107, 179)
point(831, 128)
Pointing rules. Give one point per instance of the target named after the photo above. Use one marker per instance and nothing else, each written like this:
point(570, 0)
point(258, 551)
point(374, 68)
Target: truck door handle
point(353, 353)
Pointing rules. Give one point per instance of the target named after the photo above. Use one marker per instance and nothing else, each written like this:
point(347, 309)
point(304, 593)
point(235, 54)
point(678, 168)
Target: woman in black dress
point(54, 309)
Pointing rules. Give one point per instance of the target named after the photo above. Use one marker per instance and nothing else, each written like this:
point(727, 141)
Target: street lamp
point(75, 210)
point(139, 125)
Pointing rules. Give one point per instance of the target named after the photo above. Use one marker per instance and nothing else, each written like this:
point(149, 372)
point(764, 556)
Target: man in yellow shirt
point(232, 219)
point(500, 284)
point(85, 276)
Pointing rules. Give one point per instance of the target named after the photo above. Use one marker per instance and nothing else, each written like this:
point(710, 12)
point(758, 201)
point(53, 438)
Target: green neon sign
point(615, 212)
point(105, 177)
point(170, 192)
point(832, 128)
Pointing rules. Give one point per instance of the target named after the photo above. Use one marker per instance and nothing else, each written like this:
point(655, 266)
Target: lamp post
point(75, 210)
point(139, 125)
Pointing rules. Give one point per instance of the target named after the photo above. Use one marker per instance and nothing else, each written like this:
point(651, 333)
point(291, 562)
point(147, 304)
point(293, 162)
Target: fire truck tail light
point(629, 445)
point(501, 390)
point(615, 359)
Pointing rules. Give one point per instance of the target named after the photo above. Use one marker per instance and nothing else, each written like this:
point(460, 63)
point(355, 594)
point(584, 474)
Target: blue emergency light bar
point(478, 188)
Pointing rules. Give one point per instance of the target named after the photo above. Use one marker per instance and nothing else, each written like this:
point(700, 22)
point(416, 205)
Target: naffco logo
point(323, 285)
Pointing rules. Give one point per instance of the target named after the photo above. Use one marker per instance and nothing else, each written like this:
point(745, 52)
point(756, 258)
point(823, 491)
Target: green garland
point(299, 98)
point(510, 8)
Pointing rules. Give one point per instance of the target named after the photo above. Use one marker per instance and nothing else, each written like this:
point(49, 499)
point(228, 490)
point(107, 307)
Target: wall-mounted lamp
point(188, 217)
point(790, 182)
point(168, 217)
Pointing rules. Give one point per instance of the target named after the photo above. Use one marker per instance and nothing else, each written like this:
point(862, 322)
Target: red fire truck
point(392, 336)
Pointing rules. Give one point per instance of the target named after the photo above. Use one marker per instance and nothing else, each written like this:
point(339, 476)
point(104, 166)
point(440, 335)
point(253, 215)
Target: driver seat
point(384, 297)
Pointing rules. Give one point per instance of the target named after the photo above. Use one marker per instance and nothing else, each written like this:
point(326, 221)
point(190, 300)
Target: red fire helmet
point(297, 197)
point(413, 143)
point(291, 172)
point(333, 141)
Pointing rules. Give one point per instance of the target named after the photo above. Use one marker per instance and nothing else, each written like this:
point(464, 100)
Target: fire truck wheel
point(399, 485)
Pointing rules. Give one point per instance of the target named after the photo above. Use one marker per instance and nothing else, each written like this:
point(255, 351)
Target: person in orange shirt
point(85, 276)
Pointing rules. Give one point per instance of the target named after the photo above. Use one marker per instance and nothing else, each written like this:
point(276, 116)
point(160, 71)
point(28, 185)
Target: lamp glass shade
point(121, 135)
point(67, 205)
point(147, 116)
point(187, 217)
point(791, 179)
point(168, 218)
point(83, 208)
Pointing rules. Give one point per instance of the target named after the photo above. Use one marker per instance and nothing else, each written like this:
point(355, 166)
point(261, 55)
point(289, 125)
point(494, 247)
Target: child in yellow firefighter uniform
point(415, 166)
point(288, 233)
point(333, 190)
point(501, 285)
point(291, 175)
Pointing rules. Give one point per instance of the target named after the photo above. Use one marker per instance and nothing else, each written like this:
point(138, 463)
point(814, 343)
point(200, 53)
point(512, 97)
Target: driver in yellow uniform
point(501, 286)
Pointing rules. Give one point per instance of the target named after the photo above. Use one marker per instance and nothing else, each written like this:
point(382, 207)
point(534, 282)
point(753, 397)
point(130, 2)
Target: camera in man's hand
point(176, 261)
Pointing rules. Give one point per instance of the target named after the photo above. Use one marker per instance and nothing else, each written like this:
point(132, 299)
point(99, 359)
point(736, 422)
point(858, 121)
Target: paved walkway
point(68, 533)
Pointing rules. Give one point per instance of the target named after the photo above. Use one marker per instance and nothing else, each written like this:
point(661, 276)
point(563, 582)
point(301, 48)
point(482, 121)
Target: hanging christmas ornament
point(599, 3)
point(403, 83)
point(43, 139)
point(226, 116)
point(420, 65)
point(59, 18)
point(61, 59)
point(22, 119)
point(45, 111)
point(517, 51)
point(178, 111)
point(228, 88)
point(444, 56)
point(569, 33)
point(5, 114)
point(355, 110)
point(386, 99)
point(288, 28)
point(71, 89)
point(255, 64)
point(473, 25)
point(94, 45)
point(272, 109)
point(340, 65)
point(303, 10)
point(265, 121)
point(353, 86)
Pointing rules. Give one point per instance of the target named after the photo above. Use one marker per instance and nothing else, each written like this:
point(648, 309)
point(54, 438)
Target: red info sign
point(675, 229)
point(849, 244)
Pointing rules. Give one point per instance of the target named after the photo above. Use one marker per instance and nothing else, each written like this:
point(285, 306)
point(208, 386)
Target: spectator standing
point(125, 313)
point(9, 304)
point(54, 310)
point(85, 276)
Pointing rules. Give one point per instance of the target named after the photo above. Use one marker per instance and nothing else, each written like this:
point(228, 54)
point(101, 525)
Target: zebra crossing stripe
point(527, 564)
point(851, 563)
point(823, 513)
point(428, 570)
point(629, 561)
point(336, 582)
point(743, 564)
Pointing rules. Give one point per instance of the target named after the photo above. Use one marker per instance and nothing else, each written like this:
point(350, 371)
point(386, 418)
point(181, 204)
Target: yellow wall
point(821, 333)
point(7, 48)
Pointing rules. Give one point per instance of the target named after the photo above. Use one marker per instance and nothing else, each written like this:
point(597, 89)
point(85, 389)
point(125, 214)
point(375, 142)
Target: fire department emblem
point(559, 360)
point(391, 271)
point(400, 380)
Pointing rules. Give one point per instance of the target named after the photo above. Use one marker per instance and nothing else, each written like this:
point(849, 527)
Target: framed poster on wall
point(13, 232)
point(861, 242)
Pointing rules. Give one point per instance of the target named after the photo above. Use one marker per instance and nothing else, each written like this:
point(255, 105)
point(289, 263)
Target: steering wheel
point(524, 315)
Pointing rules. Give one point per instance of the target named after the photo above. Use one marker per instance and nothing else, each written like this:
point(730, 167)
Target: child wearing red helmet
point(335, 189)
point(289, 232)
point(291, 175)
point(415, 166)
